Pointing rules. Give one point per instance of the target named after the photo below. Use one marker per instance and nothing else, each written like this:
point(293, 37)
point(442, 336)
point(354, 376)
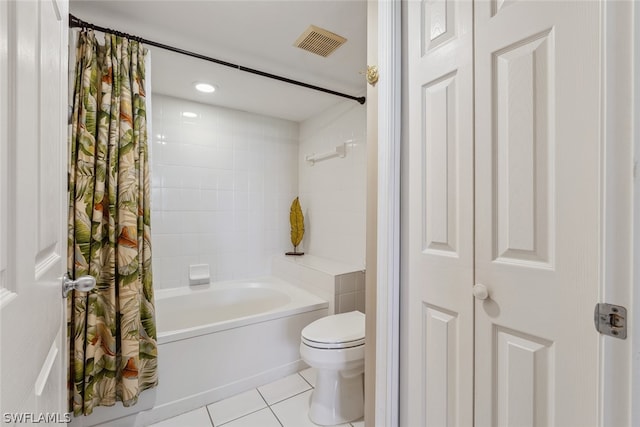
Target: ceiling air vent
point(319, 41)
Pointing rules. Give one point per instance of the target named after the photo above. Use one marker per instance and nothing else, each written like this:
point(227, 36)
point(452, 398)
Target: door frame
point(388, 210)
point(620, 237)
point(635, 367)
point(620, 208)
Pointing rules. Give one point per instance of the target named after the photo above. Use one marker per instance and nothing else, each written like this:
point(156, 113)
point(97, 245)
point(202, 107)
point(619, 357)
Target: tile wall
point(222, 185)
point(333, 191)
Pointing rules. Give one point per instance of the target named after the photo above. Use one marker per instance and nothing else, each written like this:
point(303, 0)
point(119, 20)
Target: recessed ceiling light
point(205, 87)
point(189, 114)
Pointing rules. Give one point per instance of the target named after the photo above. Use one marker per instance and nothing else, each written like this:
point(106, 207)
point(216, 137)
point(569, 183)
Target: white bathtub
point(189, 312)
point(218, 340)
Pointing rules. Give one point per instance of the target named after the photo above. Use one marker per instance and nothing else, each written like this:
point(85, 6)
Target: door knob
point(480, 291)
point(83, 284)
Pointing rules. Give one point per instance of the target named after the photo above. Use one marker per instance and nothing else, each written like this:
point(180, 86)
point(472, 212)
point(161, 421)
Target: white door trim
point(620, 203)
point(388, 241)
point(635, 285)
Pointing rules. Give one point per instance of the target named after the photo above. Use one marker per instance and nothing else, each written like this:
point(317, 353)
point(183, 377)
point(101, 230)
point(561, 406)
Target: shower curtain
point(111, 329)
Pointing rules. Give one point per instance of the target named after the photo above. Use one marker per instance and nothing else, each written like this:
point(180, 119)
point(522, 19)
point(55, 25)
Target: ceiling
point(255, 34)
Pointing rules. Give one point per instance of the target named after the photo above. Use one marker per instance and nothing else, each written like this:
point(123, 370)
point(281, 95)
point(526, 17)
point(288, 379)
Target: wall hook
point(372, 74)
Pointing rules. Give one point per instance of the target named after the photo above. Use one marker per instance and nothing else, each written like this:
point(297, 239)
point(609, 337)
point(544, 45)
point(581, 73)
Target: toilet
point(334, 346)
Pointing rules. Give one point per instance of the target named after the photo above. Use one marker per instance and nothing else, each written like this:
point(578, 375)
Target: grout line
point(265, 400)
point(242, 416)
point(210, 417)
point(288, 397)
point(274, 414)
point(305, 380)
point(269, 406)
point(209, 413)
point(292, 396)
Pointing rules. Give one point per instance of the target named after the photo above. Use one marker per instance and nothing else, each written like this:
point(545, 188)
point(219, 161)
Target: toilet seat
point(333, 346)
point(339, 331)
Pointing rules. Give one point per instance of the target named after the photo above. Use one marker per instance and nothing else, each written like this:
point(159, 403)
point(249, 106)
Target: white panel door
point(537, 139)
point(439, 384)
point(507, 151)
point(33, 53)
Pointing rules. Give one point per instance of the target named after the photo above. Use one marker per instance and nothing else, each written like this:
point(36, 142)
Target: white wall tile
point(169, 244)
point(225, 180)
point(346, 302)
point(171, 199)
point(191, 199)
point(191, 222)
point(157, 173)
point(240, 159)
point(347, 283)
point(156, 199)
point(333, 192)
point(172, 223)
point(215, 195)
point(172, 175)
point(223, 159)
point(240, 201)
point(360, 281)
point(208, 200)
point(360, 301)
point(207, 244)
point(256, 202)
point(223, 221)
point(225, 143)
point(207, 222)
point(240, 180)
point(225, 200)
point(209, 179)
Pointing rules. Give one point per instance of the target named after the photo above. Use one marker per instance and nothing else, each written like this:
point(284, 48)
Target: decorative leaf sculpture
point(297, 226)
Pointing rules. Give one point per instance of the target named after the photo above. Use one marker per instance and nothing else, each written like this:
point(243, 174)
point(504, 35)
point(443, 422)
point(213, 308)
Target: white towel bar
point(339, 151)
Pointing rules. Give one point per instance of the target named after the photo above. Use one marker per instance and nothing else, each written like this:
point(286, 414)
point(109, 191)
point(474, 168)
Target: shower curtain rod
point(75, 22)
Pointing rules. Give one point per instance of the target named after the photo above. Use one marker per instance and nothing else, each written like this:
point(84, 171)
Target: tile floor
point(282, 403)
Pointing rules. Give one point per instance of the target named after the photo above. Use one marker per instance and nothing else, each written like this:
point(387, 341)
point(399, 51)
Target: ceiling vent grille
point(319, 41)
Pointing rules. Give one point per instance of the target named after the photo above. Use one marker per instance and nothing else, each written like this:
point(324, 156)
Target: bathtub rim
point(301, 301)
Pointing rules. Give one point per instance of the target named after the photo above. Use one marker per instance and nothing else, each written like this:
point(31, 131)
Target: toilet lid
point(337, 331)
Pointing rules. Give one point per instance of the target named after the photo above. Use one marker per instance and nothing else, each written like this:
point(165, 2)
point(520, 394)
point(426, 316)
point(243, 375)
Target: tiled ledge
point(339, 283)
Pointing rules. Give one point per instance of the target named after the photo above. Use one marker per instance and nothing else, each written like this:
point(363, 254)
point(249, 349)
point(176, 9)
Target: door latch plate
point(611, 320)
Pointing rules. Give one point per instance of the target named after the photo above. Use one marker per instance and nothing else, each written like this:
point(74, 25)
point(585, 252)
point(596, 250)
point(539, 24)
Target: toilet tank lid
point(337, 328)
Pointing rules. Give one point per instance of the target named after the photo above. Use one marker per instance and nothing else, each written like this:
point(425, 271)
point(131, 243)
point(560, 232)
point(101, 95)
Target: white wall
point(222, 186)
point(333, 191)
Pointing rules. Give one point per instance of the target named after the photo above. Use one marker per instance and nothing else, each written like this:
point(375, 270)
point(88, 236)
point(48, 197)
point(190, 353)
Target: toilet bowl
point(334, 346)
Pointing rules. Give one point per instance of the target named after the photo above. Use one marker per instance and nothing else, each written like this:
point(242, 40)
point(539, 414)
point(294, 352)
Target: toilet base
point(337, 398)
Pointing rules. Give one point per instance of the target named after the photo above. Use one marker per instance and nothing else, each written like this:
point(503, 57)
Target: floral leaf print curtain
point(111, 330)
